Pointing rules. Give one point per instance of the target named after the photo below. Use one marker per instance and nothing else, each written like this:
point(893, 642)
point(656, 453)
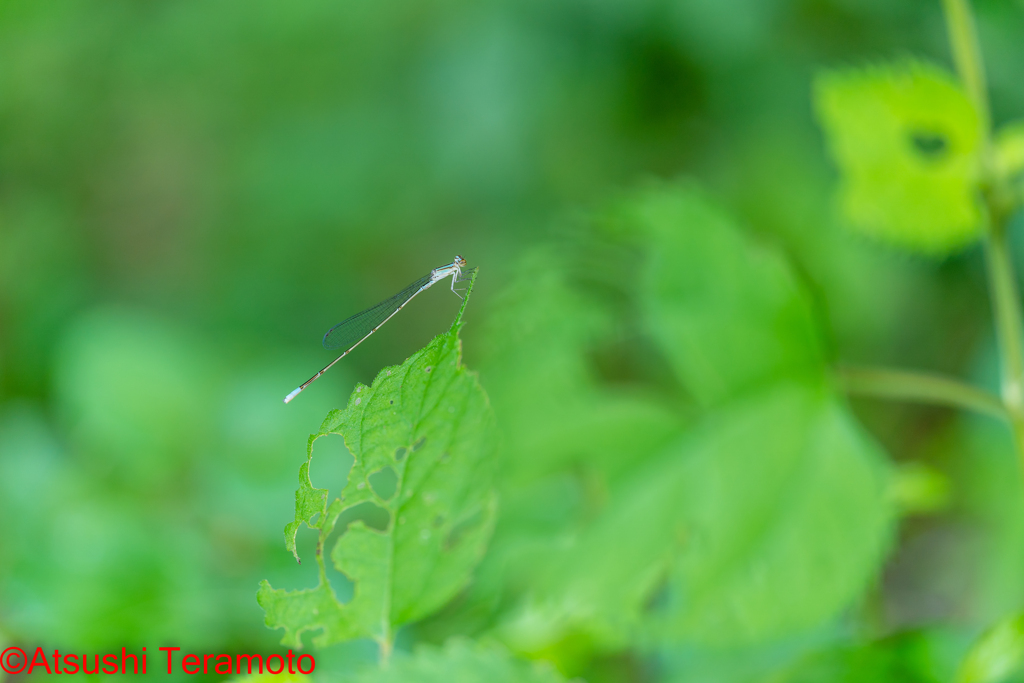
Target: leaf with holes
point(424, 441)
point(906, 139)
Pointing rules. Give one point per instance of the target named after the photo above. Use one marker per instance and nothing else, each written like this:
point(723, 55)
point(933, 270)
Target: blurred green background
point(191, 193)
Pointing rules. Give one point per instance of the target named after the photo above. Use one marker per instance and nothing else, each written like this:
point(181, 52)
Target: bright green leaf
point(424, 441)
point(768, 519)
point(1008, 152)
point(727, 314)
point(918, 488)
point(906, 139)
point(460, 661)
point(306, 610)
point(271, 678)
point(996, 654)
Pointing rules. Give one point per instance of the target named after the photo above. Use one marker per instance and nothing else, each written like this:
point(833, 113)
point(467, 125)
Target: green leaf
point(728, 315)
point(424, 441)
point(1008, 151)
point(271, 678)
point(906, 139)
point(309, 500)
point(919, 488)
point(532, 342)
point(768, 519)
point(998, 653)
point(306, 610)
point(460, 661)
point(906, 657)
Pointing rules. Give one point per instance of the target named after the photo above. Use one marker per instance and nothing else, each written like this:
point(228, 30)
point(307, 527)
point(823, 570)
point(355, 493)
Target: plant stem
point(963, 39)
point(1006, 305)
point(923, 387)
point(386, 647)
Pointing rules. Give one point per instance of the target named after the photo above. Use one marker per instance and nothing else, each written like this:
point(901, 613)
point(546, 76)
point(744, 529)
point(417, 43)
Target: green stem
point(963, 39)
point(921, 387)
point(386, 648)
point(1006, 305)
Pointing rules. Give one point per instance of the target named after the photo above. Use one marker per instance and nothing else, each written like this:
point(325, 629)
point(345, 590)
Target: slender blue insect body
point(351, 332)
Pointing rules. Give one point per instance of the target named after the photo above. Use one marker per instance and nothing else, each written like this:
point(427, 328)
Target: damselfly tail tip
point(292, 395)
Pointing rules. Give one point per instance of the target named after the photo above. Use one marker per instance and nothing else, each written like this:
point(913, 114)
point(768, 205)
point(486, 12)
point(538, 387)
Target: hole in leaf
point(419, 444)
point(929, 145)
point(384, 482)
point(460, 529)
point(372, 515)
point(400, 454)
point(331, 464)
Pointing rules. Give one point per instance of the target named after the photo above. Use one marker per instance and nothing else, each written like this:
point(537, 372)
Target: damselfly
point(350, 333)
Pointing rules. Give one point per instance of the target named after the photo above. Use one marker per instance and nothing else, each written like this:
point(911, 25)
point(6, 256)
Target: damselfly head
point(460, 262)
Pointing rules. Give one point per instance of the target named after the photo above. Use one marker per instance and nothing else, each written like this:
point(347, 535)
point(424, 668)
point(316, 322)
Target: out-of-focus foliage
point(266, 678)
point(191, 193)
point(918, 488)
point(907, 658)
point(459, 661)
point(764, 515)
point(1009, 151)
point(998, 653)
point(907, 140)
point(728, 315)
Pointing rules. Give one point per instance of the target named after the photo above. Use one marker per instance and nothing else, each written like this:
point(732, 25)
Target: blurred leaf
point(766, 520)
point(269, 678)
point(728, 314)
point(1009, 150)
point(128, 384)
point(424, 442)
point(996, 654)
point(905, 137)
point(918, 488)
point(904, 658)
point(989, 487)
point(770, 517)
point(787, 514)
point(539, 375)
point(460, 661)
